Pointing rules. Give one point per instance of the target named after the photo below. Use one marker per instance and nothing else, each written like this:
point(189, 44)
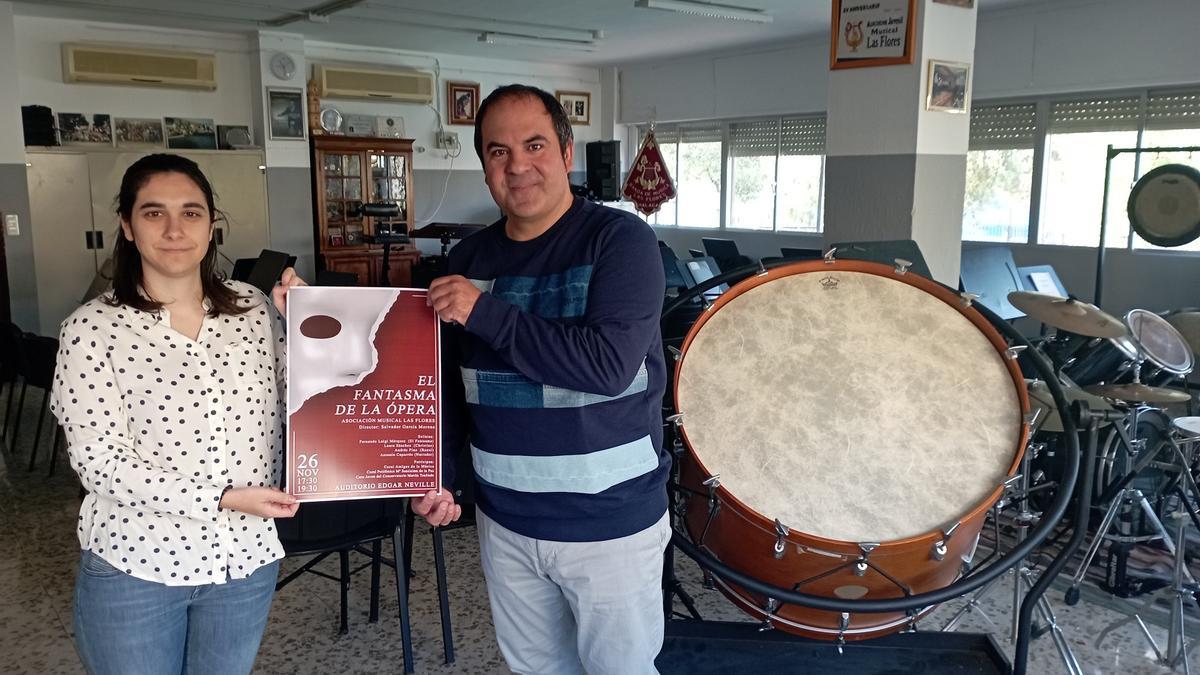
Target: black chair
point(464, 495)
point(320, 529)
point(37, 370)
point(10, 371)
point(329, 278)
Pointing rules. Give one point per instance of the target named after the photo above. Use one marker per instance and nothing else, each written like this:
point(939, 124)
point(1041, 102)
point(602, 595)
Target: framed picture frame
point(462, 102)
point(234, 137)
point(85, 129)
point(577, 104)
point(867, 34)
point(947, 86)
point(285, 110)
point(132, 132)
point(190, 133)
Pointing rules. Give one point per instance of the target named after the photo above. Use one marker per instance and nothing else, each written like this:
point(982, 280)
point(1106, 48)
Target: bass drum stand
point(1183, 586)
point(1023, 574)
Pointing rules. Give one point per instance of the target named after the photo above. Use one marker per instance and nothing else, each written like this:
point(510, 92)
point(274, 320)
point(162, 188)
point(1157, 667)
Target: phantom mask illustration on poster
point(363, 403)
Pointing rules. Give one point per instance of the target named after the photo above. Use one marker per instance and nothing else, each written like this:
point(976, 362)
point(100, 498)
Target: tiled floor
point(38, 555)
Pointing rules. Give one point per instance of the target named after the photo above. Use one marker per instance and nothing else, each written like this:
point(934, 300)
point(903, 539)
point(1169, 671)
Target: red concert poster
point(363, 382)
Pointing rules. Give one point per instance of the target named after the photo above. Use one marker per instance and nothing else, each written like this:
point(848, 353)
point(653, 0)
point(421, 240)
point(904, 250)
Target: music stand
point(885, 252)
point(1040, 278)
point(725, 251)
point(801, 253)
point(991, 273)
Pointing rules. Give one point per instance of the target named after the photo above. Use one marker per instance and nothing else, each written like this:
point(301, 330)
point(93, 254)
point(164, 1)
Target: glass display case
point(347, 173)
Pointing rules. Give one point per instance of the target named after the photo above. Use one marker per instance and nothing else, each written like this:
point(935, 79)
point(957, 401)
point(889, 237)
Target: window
point(1172, 120)
point(999, 180)
point(1079, 134)
point(698, 178)
point(772, 172)
point(753, 150)
point(801, 174)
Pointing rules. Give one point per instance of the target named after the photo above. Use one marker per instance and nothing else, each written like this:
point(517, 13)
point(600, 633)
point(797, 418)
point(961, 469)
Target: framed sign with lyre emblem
point(876, 33)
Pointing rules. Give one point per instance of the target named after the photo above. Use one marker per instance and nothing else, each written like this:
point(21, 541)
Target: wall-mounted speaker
point(604, 169)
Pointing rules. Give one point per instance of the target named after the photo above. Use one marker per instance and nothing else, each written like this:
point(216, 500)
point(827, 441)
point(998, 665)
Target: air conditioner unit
point(138, 67)
point(409, 86)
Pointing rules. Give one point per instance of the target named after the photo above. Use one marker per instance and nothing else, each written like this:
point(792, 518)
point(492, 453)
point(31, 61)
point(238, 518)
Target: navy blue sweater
point(562, 375)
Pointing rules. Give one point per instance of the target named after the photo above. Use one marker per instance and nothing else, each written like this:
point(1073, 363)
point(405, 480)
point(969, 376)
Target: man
point(562, 371)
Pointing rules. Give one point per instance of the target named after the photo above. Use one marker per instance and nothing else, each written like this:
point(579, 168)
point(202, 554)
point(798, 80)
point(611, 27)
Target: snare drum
point(847, 428)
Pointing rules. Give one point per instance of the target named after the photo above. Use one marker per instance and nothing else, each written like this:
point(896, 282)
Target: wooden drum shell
point(745, 539)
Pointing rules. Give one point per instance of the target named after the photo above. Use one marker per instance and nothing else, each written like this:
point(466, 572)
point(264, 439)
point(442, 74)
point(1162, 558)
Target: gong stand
point(912, 604)
point(1108, 158)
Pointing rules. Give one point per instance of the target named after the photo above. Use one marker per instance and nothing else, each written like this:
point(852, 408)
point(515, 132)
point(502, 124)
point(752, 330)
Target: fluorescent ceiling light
point(534, 41)
point(707, 9)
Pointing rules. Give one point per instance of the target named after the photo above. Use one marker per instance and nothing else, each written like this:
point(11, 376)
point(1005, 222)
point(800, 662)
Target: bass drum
point(847, 427)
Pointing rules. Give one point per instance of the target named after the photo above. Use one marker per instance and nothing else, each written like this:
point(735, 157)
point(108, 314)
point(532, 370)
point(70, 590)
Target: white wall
point(1060, 47)
point(40, 79)
point(1046, 48)
point(422, 121)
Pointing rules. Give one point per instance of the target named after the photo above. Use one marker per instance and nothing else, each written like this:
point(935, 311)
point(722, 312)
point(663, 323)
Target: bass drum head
point(850, 405)
point(1164, 205)
point(1160, 342)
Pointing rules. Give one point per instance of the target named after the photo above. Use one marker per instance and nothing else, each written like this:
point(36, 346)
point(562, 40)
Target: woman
point(170, 391)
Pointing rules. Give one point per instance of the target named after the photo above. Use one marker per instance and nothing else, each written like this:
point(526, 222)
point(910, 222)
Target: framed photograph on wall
point(577, 104)
point(865, 34)
point(286, 111)
point(462, 102)
point(190, 133)
point(947, 86)
point(138, 133)
point(83, 129)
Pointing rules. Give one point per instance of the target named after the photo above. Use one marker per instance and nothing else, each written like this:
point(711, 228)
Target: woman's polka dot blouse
point(158, 425)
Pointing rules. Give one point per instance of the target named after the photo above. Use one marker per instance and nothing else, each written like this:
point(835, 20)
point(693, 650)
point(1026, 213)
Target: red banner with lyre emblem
point(648, 184)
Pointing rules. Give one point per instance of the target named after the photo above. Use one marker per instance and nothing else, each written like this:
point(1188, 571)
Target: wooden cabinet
point(348, 172)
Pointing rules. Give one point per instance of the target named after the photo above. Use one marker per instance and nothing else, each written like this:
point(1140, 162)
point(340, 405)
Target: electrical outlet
point(446, 140)
point(12, 225)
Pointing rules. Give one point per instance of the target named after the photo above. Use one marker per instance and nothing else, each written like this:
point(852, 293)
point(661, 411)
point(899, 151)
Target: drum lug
point(939, 551)
point(902, 266)
point(968, 298)
point(675, 353)
point(828, 257)
point(843, 626)
point(1014, 351)
point(781, 533)
point(771, 607)
point(913, 614)
point(762, 269)
point(676, 419)
point(860, 567)
point(706, 302)
point(714, 505)
point(708, 583)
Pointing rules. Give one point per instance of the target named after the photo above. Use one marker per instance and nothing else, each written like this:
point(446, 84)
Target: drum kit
point(844, 429)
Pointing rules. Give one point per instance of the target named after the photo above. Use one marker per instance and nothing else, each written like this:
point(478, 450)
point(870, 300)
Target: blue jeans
point(128, 626)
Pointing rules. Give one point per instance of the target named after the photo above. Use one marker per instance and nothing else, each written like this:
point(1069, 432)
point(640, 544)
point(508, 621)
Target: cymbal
point(1040, 399)
point(1139, 393)
point(1068, 314)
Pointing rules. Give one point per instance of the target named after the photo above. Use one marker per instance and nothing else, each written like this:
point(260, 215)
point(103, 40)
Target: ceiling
point(629, 33)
